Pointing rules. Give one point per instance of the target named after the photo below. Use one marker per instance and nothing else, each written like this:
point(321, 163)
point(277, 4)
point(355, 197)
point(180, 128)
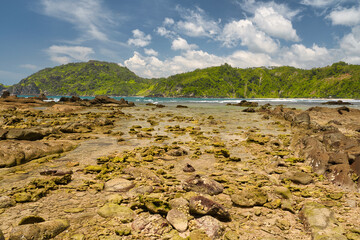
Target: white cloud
point(247, 34)
point(168, 21)
point(274, 24)
point(139, 39)
point(320, 3)
point(195, 23)
point(345, 16)
point(29, 66)
point(300, 56)
point(182, 44)
point(66, 54)
point(350, 45)
point(162, 31)
point(151, 52)
point(88, 16)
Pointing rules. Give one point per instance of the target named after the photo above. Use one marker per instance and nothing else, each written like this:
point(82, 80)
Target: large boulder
point(321, 222)
point(39, 231)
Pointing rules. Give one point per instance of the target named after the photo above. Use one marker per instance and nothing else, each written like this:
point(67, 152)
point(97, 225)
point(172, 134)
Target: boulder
point(155, 204)
point(321, 222)
point(3, 133)
point(340, 174)
point(177, 219)
point(302, 119)
point(300, 178)
point(5, 94)
point(39, 231)
point(202, 184)
point(210, 225)
point(30, 134)
point(250, 197)
point(124, 214)
point(338, 158)
point(200, 205)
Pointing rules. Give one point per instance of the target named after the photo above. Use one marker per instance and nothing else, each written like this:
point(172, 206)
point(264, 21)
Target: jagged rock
point(154, 204)
point(315, 152)
point(1, 235)
point(124, 214)
point(142, 172)
point(188, 168)
point(177, 219)
point(338, 158)
point(340, 174)
point(338, 102)
point(300, 178)
point(210, 225)
point(302, 119)
point(39, 231)
point(250, 197)
point(150, 224)
point(202, 184)
point(321, 222)
point(177, 152)
point(118, 185)
point(338, 141)
point(6, 201)
point(200, 205)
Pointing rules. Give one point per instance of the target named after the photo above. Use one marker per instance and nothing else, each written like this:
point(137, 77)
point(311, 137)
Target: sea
point(300, 103)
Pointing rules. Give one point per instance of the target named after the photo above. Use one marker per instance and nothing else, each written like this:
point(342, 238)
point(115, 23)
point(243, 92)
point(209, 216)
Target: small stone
point(188, 168)
point(231, 235)
point(287, 206)
point(123, 231)
point(22, 197)
point(118, 185)
point(177, 219)
point(31, 220)
point(202, 184)
point(115, 198)
point(124, 214)
point(77, 236)
point(282, 224)
point(74, 210)
point(250, 197)
point(273, 204)
point(283, 192)
point(200, 205)
point(300, 178)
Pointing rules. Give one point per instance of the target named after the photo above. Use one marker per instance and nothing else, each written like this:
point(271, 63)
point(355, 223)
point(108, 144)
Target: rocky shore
point(107, 169)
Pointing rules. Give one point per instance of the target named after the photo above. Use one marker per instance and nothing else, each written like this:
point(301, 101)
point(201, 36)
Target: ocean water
point(288, 102)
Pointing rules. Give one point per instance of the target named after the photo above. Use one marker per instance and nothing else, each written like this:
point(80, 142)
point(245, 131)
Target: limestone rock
point(321, 222)
point(202, 184)
point(250, 197)
point(118, 185)
point(200, 205)
point(39, 231)
point(210, 225)
point(177, 219)
point(124, 214)
point(154, 204)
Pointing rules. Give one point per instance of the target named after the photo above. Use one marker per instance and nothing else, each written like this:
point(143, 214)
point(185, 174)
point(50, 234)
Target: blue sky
point(157, 38)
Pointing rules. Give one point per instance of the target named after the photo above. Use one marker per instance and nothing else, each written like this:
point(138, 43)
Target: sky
point(159, 38)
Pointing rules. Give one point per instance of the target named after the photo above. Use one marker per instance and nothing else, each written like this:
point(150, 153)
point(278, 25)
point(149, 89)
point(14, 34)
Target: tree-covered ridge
point(102, 78)
point(1, 87)
point(90, 78)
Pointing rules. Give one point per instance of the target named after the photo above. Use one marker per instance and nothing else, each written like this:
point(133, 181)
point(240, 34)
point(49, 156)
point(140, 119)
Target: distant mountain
point(101, 78)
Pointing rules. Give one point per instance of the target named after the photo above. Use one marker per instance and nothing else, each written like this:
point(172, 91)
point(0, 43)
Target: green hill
point(101, 78)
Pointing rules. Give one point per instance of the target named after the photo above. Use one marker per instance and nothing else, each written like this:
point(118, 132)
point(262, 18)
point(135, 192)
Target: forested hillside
point(102, 78)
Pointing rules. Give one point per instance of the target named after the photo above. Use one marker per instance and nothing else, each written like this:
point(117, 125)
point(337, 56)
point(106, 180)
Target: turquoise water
point(290, 102)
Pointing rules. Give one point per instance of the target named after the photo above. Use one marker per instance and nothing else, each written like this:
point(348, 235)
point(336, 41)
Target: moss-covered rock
point(124, 214)
point(250, 197)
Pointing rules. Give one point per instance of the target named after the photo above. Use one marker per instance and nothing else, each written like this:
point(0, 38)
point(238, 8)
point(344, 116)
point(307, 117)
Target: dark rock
point(188, 168)
point(204, 185)
point(177, 152)
point(31, 220)
point(355, 166)
point(3, 133)
point(5, 94)
point(244, 103)
point(343, 109)
point(315, 152)
point(181, 106)
point(338, 158)
point(338, 141)
point(249, 110)
point(200, 205)
point(339, 102)
point(1, 235)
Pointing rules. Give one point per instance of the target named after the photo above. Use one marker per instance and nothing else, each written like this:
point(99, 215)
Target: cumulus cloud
point(168, 21)
point(66, 54)
point(139, 39)
point(88, 16)
point(274, 24)
point(345, 16)
point(247, 34)
point(195, 23)
point(151, 52)
point(162, 31)
point(182, 44)
point(350, 45)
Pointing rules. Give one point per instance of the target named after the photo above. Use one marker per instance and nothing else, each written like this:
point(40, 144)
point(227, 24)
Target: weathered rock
point(315, 152)
point(250, 197)
point(140, 190)
point(118, 185)
point(302, 119)
point(124, 214)
point(18, 152)
point(30, 134)
point(154, 204)
point(283, 192)
point(199, 234)
point(210, 225)
point(259, 139)
point(39, 231)
point(338, 102)
point(203, 184)
point(321, 222)
point(177, 219)
point(300, 178)
point(200, 205)
point(5, 94)
point(188, 168)
point(338, 158)
point(338, 141)
point(177, 152)
point(340, 175)
point(1, 235)
point(148, 224)
point(249, 110)
point(3, 133)
point(180, 204)
point(142, 172)
point(6, 201)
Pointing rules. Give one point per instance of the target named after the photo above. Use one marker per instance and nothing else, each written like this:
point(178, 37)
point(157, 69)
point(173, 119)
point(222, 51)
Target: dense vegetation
point(98, 78)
